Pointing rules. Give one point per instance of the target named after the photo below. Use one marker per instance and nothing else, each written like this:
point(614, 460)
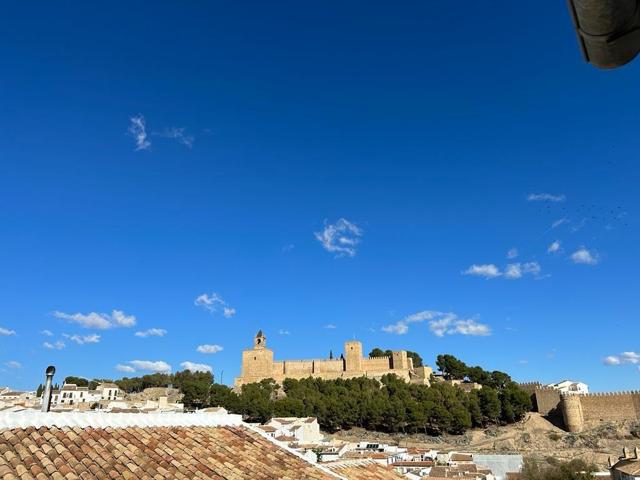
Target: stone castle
point(258, 364)
point(579, 411)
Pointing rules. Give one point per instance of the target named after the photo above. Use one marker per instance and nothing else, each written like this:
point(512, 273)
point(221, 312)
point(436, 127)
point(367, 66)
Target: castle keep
point(258, 364)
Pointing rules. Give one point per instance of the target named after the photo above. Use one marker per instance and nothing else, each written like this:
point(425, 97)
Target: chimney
point(46, 394)
point(625, 453)
point(635, 453)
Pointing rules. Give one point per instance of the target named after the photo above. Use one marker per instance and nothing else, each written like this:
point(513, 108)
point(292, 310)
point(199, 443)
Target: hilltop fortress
point(258, 364)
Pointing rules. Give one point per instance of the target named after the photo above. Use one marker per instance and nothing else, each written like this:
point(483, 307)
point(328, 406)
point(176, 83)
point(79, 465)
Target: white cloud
point(83, 339)
point(340, 238)
point(440, 324)
point(13, 364)
point(125, 368)
point(555, 247)
point(151, 366)
point(101, 321)
point(6, 332)
point(46, 333)
point(585, 257)
point(178, 134)
point(485, 270)
point(559, 222)
point(54, 346)
point(209, 348)
point(513, 271)
point(330, 326)
point(214, 303)
point(138, 130)
point(284, 332)
point(518, 270)
point(512, 253)
point(632, 358)
point(612, 360)
point(151, 332)
point(546, 197)
point(196, 367)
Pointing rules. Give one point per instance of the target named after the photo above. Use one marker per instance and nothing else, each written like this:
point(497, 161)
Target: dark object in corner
point(608, 30)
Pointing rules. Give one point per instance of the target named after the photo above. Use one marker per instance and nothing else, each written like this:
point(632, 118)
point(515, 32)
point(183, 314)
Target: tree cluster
point(389, 405)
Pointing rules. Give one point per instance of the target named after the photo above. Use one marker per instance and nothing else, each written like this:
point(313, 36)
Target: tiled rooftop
point(90, 445)
point(229, 452)
point(364, 470)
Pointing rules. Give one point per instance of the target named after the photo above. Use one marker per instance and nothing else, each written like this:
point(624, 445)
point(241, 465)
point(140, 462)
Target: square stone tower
point(353, 356)
point(257, 362)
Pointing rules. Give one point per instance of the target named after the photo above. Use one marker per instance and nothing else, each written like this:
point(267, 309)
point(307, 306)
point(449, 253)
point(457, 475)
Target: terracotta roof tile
point(364, 470)
point(229, 452)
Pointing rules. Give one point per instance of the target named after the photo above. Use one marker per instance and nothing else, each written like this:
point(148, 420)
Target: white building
point(294, 429)
point(72, 396)
point(570, 387)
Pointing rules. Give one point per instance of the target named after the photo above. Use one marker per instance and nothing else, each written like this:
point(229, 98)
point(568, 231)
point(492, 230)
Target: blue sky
point(206, 169)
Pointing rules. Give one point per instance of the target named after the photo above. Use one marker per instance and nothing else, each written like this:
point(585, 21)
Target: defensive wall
point(579, 411)
point(585, 411)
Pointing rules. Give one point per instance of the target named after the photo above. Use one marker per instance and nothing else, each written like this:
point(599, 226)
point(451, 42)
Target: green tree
point(451, 367)
point(417, 359)
point(39, 390)
point(79, 381)
point(195, 386)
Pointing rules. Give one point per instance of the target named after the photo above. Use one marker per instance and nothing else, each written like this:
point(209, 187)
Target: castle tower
point(260, 341)
point(353, 356)
point(572, 413)
point(399, 360)
point(257, 362)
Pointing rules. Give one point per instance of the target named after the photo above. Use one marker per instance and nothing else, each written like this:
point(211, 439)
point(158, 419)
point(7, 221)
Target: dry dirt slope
point(533, 437)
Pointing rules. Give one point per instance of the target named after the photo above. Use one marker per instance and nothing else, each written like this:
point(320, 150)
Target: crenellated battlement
point(258, 364)
point(590, 409)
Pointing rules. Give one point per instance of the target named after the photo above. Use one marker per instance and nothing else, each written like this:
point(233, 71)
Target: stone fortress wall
point(584, 411)
point(579, 411)
point(258, 364)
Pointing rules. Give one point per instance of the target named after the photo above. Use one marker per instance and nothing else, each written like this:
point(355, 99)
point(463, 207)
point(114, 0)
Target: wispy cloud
point(151, 332)
point(624, 358)
point(196, 367)
point(178, 134)
point(13, 364)
point(138, 130)
point(101, 321)
point(209, 348)
point(54, 346)
point(330, 326)
point(284, 332)
point(83, 339)
point(555, 247)
point(7, 332)
point(125, 368)
point(46, 333)
point(288, 248)
point(514, 271)
point(488, 270)
point(341, 238)
point(585, 257)
point(157, 366)
point(214, 303)
point(440, 324)
point(512, 253)
point(559, 222)
point(546, 197)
